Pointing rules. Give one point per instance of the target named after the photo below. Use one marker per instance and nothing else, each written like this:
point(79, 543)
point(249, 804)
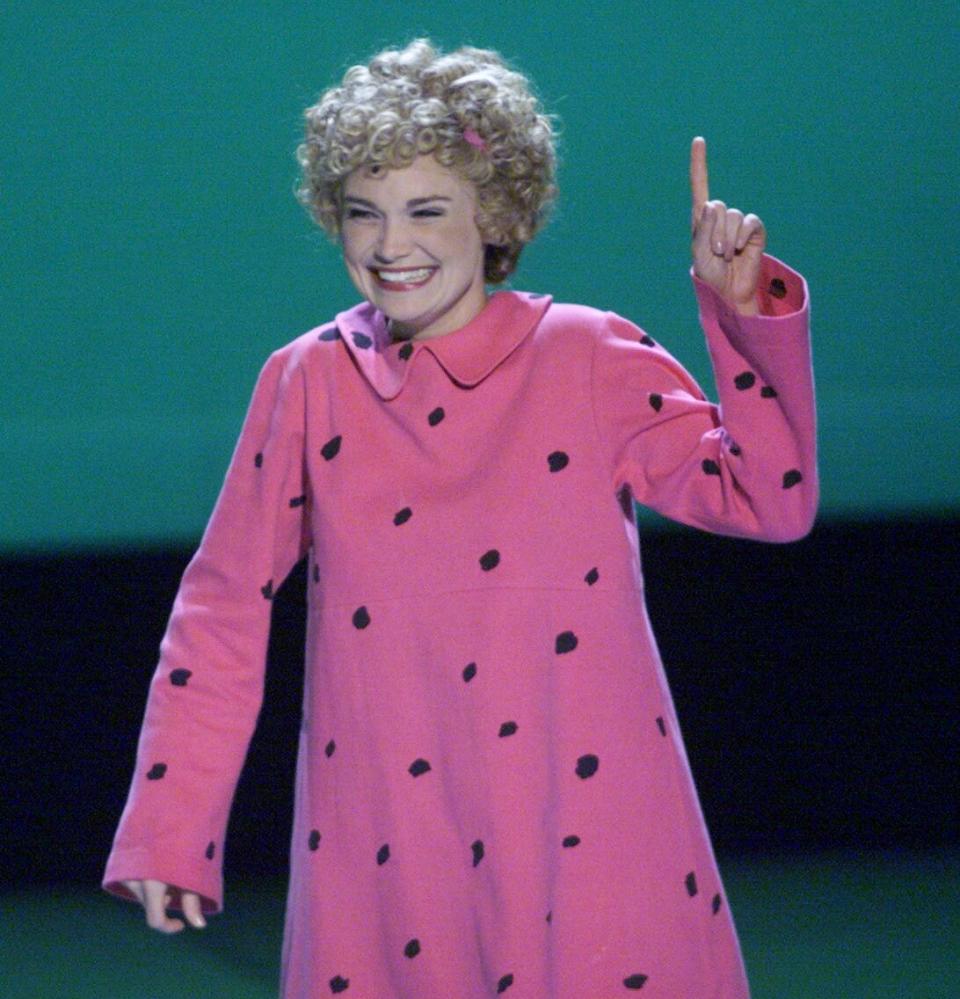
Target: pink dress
point(492, 793)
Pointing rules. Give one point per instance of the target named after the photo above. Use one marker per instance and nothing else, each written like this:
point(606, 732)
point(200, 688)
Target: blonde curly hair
point(467, 108)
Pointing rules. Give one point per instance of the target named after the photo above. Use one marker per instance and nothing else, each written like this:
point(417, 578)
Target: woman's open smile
point(403, 279)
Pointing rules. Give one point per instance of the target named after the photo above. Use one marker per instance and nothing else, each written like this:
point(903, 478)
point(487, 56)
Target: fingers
point(703, 232)
point(699, 186)
point(710, 235)
point(726, 232)
point(190, 901)
point(751, 231)
point(731, 231)
point(718, 230)
point(738, 231)
point(156, 898)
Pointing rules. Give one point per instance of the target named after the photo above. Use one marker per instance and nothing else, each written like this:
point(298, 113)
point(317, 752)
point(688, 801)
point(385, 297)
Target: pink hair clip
point(471, 136)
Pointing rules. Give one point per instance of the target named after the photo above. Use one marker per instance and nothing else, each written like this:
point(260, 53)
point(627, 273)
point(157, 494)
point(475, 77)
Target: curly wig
point(467, 108)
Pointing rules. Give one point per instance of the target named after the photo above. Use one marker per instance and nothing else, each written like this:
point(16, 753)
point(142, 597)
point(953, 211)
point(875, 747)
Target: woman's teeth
point(405, 277)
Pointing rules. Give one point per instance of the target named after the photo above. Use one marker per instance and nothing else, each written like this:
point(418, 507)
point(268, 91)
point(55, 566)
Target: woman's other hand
point(727, 245)
point(155, 897)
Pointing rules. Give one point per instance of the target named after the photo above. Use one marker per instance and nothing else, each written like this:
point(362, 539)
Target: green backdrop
point(153, 253)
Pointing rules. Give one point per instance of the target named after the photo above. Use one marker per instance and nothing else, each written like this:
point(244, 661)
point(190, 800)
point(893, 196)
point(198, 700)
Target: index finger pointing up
point(699, 187)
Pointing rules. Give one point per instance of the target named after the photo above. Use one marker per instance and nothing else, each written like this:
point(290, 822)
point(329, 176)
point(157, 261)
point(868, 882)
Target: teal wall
point(153, 254)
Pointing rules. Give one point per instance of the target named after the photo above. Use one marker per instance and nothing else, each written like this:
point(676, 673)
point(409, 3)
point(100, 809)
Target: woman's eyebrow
point(413, 202)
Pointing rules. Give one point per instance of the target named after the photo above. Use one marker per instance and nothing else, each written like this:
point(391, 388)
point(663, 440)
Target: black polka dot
point(210, 851)
point(715, 904)
point(745, 380)
point(316, 573)
point(569, 841)
point(505, 982)
point(662, 726)
point(508, 728)
point(405, 351)
point(566, 642)
point(436, 415)
point(647, 341)
point(587, 765)
point(777, 288)
point(258, 459)
point(592, 576)
point(339, 984)
point(690, 882)
point(313, 840)
point(179, 677)
point(635, 981)
point(768, 392)
point(469, 672)
point(330, 334)
point(418, 767)
point(157, 771)
point(550, 916)
point(330, 748)
point(412, 948)
point(558, 460)
point(791, 478)
point(402, 516)
point(361, 340)
point(297, 501)
point(476, 848)
point(332, 447)
point(490, 560)
point(655, 400)
point(710, 467)
point(735, 450)
point(361, 617)
point(267, 590)
point(383, 854)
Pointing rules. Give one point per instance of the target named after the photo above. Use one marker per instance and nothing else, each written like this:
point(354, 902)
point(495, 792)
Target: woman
point(492, 791)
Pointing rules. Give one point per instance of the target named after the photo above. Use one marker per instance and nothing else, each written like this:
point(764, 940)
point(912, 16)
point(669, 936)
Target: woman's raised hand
point(155, 896)
point(727, 245)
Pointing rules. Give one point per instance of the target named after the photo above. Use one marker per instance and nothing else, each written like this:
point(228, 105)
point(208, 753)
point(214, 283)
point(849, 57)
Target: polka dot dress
point(492, 793)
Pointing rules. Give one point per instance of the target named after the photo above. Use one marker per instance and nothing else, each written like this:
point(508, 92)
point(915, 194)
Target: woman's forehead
point(423, 178)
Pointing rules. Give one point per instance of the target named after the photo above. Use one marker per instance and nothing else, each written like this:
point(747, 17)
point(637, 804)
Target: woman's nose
point(394, 241)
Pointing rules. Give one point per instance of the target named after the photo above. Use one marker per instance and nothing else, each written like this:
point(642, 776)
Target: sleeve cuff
point(139, 865)
point(782, 294)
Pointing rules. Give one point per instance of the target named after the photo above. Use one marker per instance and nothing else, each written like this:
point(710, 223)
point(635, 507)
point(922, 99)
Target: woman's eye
point(427, 213)
point(359, 213)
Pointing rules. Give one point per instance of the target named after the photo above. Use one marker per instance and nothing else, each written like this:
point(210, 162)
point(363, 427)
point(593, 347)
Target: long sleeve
point(745, 467)
point(208, 686)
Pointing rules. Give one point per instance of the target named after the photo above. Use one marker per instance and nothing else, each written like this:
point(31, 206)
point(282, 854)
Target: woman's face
point(412, 247)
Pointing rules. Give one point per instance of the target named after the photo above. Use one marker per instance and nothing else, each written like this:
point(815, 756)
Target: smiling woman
point(492, 792)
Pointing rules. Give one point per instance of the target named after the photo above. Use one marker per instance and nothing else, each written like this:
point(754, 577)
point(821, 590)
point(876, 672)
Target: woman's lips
point(407, 279)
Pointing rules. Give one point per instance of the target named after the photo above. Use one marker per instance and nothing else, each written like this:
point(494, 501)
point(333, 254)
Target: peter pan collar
point(468, 354)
